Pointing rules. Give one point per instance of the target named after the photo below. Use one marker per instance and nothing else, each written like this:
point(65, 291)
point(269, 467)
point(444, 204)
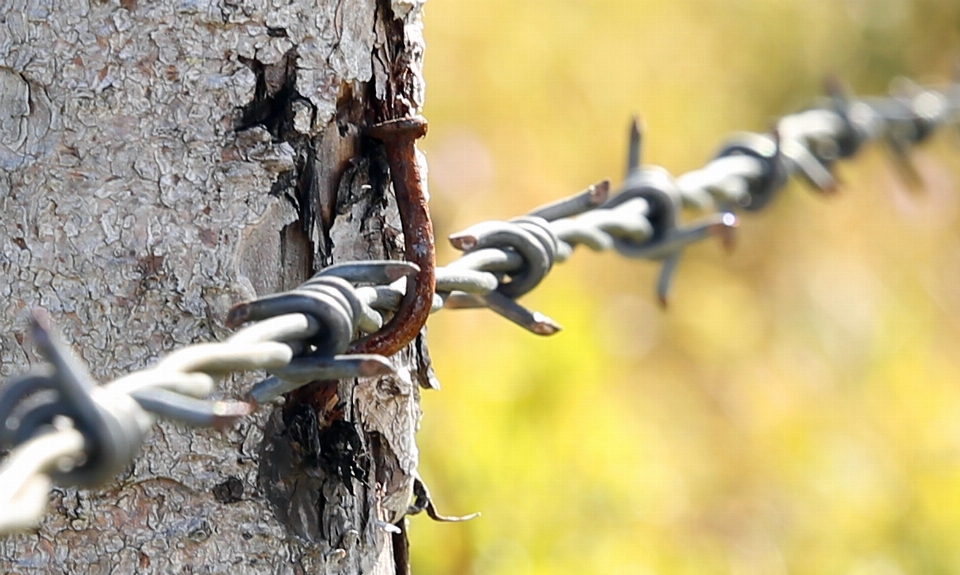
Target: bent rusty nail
point(399, 139)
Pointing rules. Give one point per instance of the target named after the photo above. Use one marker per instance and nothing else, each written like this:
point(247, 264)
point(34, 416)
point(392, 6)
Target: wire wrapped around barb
point(112, 424)
point(342, 312)
point(61, 427)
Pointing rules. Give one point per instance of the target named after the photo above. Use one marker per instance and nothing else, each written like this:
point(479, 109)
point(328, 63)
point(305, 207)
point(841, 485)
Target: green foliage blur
point(797, 408)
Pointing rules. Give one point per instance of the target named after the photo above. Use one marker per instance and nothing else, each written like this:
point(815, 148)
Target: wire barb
point(62, 428)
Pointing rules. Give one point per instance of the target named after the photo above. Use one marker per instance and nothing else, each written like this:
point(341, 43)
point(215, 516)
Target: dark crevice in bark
point(274, 93)
point(425, 374)
point(314, 470)
point(274, 107)
point(297, 255)
point(314, 462)
point(284, 473)
point(285, 182)
point(230, 491)
point(351, 109)
point(378, 178)
point(371, 166)
point(325, 472)
point(393, 56)
point(401, 549)
point(342, 453)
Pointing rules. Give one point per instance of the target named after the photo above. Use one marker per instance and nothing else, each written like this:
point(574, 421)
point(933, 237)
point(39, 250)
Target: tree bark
point(162, 161)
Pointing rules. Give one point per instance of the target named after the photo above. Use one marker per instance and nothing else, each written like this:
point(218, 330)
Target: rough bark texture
point(160, 161)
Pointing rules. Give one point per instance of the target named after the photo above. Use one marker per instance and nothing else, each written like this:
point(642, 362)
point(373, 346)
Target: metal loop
point(335, 319)
point(765, 148)
point(852, 137)
point(363, 316)
point(343, 305)
point(924, 109)
point(540, 228)
point(12, 395)
point(111, 427)
point(537, 259)
point(656, 187)
point(40, 419)
point(489, 260)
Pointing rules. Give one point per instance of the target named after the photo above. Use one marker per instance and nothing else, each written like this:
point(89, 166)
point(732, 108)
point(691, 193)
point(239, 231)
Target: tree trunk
point(162, 161)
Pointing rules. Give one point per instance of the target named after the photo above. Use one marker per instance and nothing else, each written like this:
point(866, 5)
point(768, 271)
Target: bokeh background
point(797, 409)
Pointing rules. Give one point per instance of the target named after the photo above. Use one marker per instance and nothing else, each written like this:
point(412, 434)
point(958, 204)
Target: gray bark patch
point(27, 121)
point(137, 214)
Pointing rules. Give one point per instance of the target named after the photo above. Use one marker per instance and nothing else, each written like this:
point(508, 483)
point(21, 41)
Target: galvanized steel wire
point(61, 427)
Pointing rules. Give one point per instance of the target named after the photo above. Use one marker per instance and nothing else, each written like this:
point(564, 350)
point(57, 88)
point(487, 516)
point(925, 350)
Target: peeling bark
point(158, 163)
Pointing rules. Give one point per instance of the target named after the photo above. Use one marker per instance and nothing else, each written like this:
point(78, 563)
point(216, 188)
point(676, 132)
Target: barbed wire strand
point(61, 428)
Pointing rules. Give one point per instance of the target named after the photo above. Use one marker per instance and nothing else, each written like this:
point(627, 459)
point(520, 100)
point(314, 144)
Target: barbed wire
point(62, 428)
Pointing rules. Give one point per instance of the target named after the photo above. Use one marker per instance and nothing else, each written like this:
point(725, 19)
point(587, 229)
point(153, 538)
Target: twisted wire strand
point(60, 427)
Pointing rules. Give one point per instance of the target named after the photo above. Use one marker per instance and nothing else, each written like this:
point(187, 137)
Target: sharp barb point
point(600, 192)
point(635, 153)
point(463, 242)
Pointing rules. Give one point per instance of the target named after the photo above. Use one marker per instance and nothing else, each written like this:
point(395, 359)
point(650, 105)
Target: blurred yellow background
point(797, 409)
